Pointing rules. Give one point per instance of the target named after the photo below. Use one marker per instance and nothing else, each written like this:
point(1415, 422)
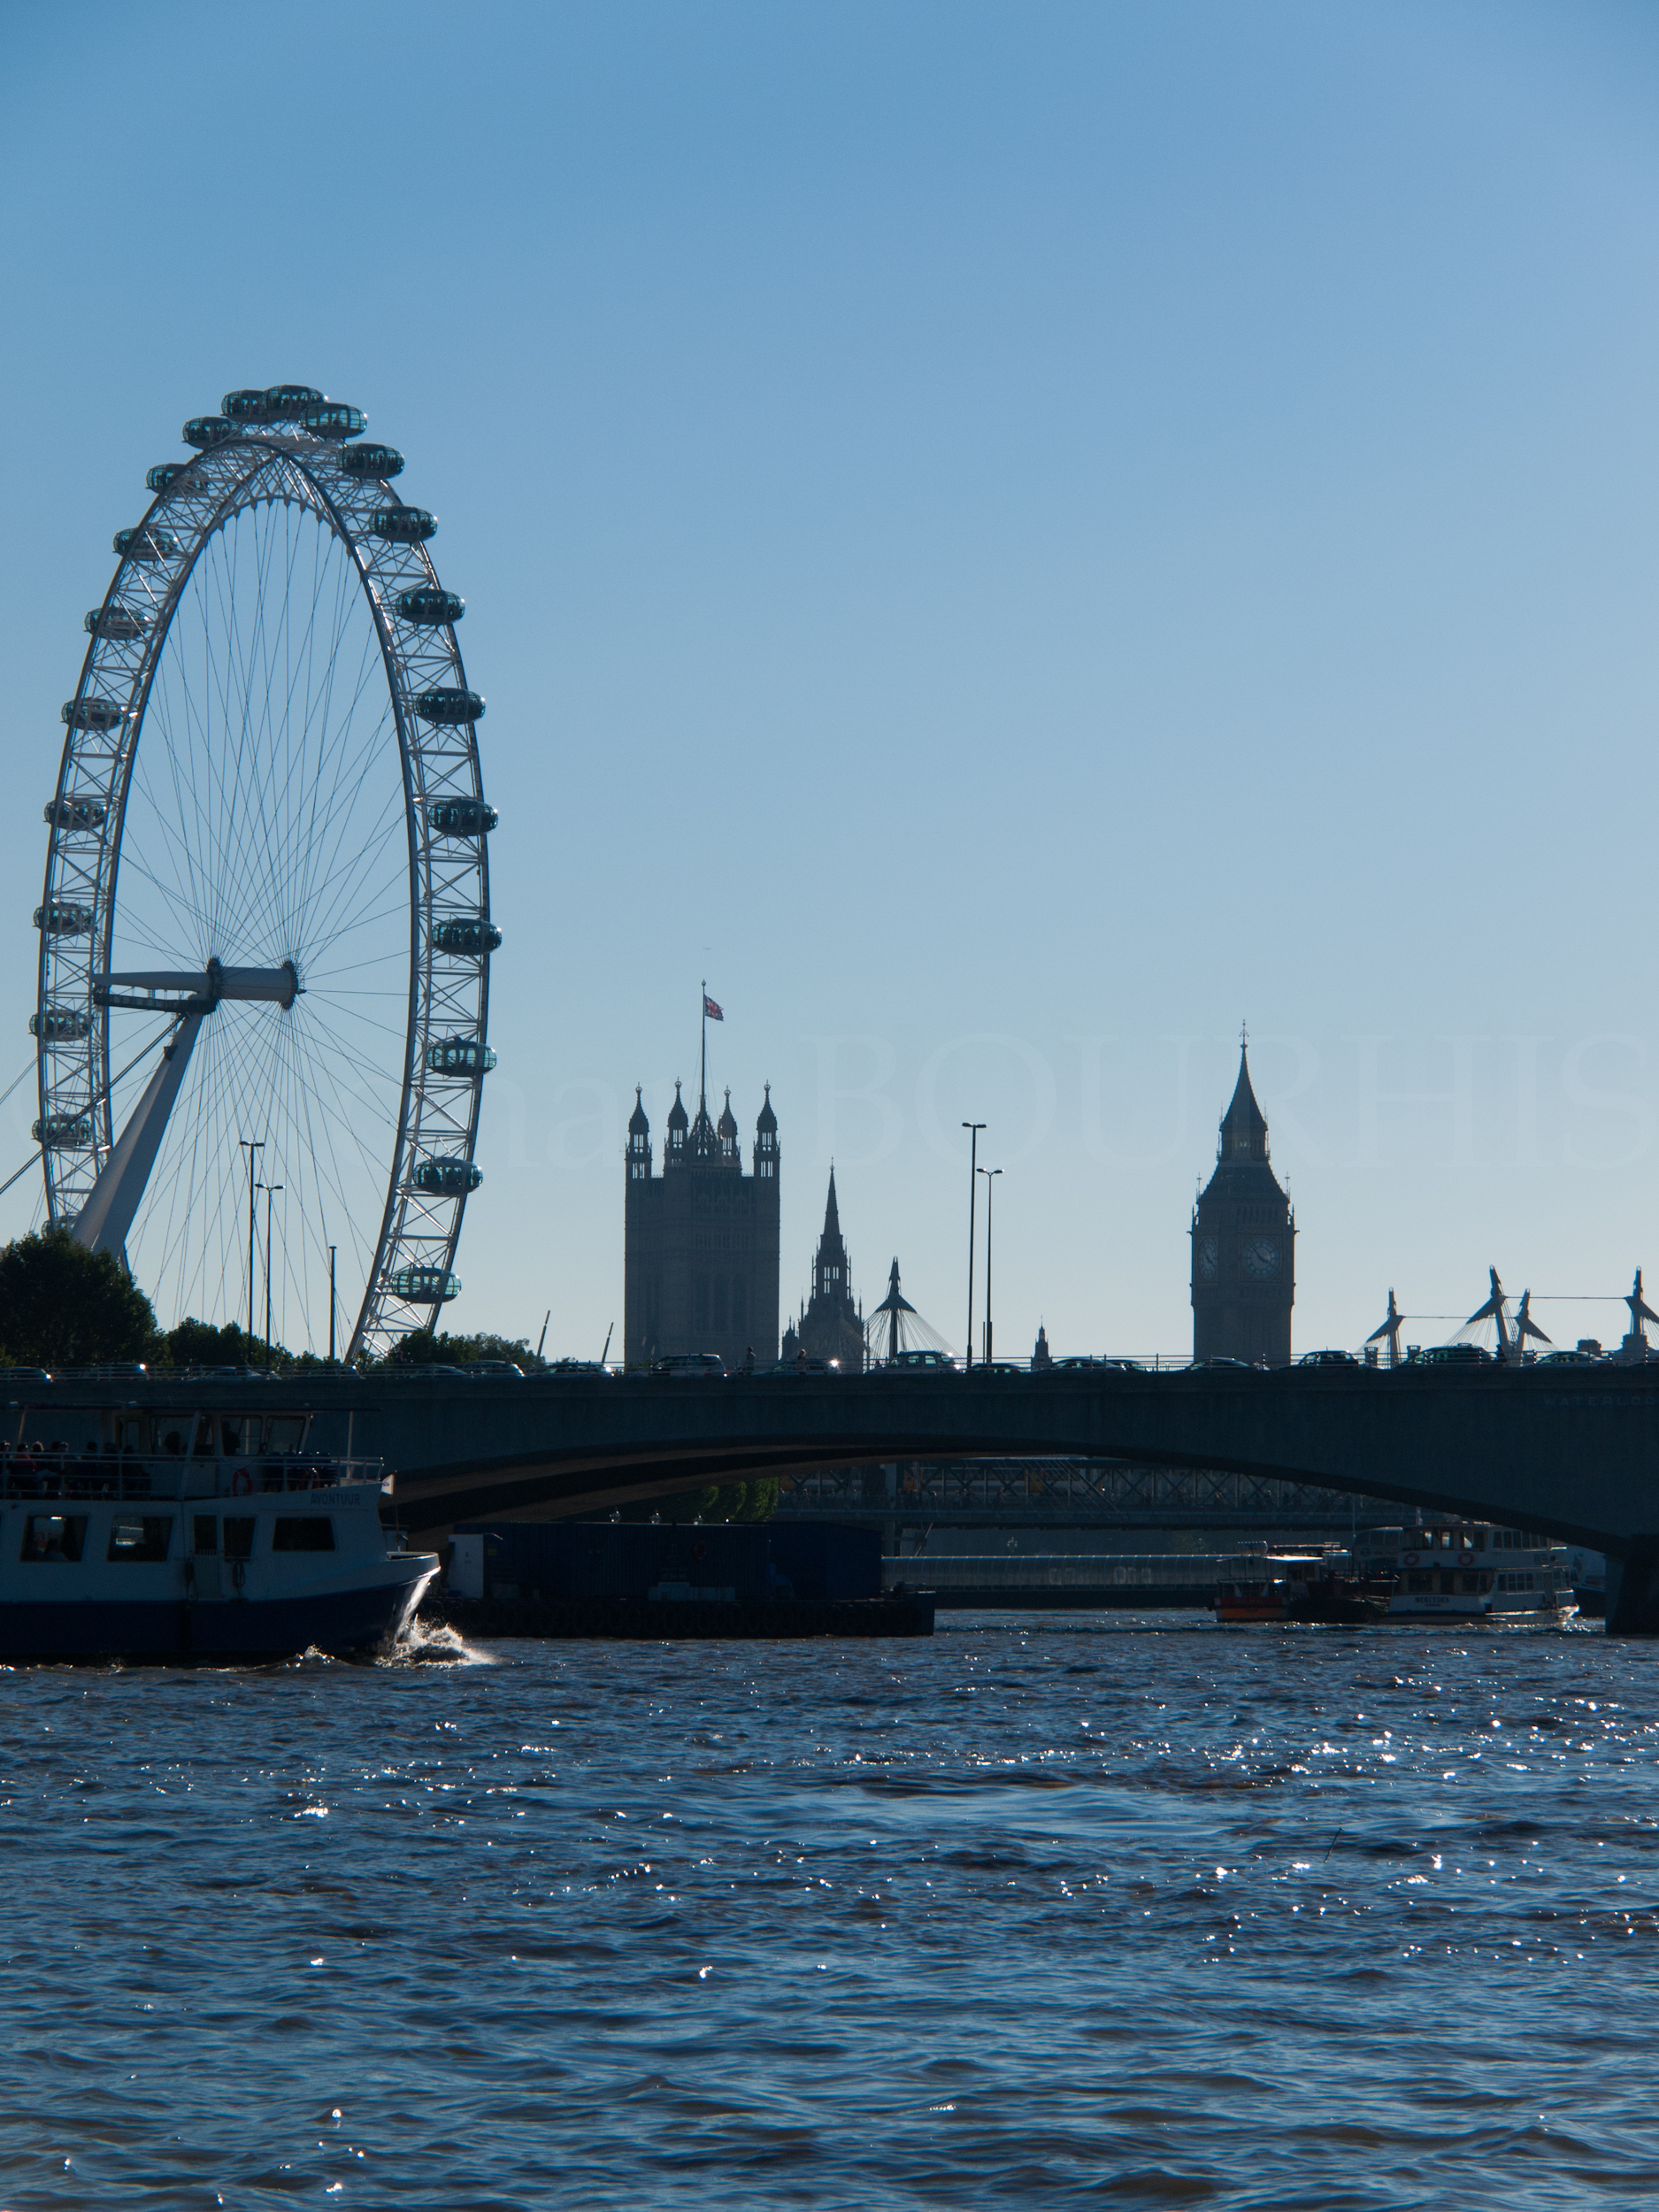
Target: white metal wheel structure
point(266, 906)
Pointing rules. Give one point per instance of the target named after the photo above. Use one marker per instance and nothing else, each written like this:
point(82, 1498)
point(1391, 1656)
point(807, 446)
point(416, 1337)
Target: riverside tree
point(62, 1306)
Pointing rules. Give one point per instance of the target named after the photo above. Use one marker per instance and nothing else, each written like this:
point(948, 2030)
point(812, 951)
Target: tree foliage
point(421, 1348)
point(62, 1306)
point(200, 1344)
point(754, 1501)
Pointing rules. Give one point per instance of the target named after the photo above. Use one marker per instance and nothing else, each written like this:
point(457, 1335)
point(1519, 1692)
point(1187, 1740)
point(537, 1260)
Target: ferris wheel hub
point(190, 994)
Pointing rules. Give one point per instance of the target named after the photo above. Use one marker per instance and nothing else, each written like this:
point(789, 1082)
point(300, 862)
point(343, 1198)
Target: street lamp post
point(270, 1190)
point(974, 1128)
point(330, 1305)
point(252, 1145)
point(989, 1173)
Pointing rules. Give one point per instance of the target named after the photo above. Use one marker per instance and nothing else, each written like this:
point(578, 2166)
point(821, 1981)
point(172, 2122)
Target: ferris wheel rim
point(200, 500)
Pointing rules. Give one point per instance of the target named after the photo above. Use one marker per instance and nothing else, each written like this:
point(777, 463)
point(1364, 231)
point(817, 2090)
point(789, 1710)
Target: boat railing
point(51, 1473)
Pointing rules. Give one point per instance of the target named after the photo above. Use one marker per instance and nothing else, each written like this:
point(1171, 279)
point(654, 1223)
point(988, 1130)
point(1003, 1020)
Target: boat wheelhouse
point(185, 1532)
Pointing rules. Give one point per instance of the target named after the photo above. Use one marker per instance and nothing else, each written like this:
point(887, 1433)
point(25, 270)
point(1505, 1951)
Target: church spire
point(832, 1217)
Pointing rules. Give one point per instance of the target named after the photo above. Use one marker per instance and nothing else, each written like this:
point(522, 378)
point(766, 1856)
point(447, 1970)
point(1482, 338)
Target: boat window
point(53, 1536)
point(204, 1437)
point(285, 1434)
point(145, 1539)
point(203, 1535)
point(1419, 1582)
point(232, 1433)
point(1472, 1582)
point(238, 1537)
point(313, 1531)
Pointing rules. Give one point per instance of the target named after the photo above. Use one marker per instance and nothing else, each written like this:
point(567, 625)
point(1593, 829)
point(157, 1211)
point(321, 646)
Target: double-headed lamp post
point(990, 1174)
point(973, 1127)
point(270, 1190)
point(251, 1145)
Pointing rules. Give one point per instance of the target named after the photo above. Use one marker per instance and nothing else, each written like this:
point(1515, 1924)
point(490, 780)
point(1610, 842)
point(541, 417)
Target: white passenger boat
point(1460, 1571)
point(204, 1535)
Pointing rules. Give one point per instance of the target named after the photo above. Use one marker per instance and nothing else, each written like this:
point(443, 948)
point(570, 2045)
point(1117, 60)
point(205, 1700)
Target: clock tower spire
point(1244, 1234)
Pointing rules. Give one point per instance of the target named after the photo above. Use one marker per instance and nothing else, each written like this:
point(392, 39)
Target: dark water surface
point(1055, 1912)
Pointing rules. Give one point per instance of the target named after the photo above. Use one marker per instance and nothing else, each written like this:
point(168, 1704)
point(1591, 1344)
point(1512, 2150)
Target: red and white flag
point(710, 1011)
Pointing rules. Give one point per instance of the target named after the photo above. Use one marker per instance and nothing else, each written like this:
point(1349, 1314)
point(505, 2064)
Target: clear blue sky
point(1010, 539)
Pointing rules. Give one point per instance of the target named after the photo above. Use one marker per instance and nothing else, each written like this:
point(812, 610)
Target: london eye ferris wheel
point(265, 921)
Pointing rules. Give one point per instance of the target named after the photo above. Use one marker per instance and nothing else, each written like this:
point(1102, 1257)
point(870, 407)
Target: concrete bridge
point(1571, 1450)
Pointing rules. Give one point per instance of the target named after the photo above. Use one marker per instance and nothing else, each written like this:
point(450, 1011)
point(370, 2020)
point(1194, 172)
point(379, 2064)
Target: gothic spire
point(1244, 1124)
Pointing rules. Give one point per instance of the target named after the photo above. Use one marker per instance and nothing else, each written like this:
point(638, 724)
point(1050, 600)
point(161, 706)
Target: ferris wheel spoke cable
point(312, 841)
point(325, 923)
point(343, 865)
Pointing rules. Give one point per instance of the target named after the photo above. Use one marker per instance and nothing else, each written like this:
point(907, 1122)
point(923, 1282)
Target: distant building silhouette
point(1244, 1236)
point(701, 1238)
point(1041, 1355)
point(831, 1326)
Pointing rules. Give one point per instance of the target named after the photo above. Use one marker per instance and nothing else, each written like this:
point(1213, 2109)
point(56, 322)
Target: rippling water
point(1071, 1911)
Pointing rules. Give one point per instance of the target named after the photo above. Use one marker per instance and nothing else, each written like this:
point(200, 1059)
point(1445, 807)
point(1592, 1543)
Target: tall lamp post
point(974, 1128)
point(270, 1190)
point(330, 1305)
point(990, 1174)
point(251, 1145)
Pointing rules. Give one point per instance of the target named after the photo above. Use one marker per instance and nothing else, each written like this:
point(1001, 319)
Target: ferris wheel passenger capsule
point(402, 525)
point(140, 544)
point(471, 937)
point(208, 430)
point(459, 1055)
point(447, 1178)
point(119, 623)
point(62, 917)
point(74, 813)
point(286, 403)
point(333, 420)
point(450, 706)
point(61, 1024)
point(164, 474)
point(429, 606)
point(462, 818)
point(92, 714)
point(246, 406)
point(424, 1285)
point(63, 1132)
point(381, 461)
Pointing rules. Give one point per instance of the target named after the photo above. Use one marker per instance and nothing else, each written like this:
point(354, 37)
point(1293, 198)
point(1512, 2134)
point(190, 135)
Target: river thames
point(1074, 1911)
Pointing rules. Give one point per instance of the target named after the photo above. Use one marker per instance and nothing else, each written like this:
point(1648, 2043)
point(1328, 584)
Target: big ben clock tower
point(1244, 1237)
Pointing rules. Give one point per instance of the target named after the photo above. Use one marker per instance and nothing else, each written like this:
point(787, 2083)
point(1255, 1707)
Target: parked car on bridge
point(493, 1370)
point(1454, 1356)
point(998, 1367)
point(1327, 1359)
point(709, 1364)
point(910, 1363)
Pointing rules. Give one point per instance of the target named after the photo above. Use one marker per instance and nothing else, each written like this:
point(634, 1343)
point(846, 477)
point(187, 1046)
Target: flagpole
point(703, 1082)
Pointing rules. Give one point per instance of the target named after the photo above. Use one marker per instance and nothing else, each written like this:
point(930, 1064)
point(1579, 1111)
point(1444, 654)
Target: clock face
point(1261, 1258)
point(1206, 1260)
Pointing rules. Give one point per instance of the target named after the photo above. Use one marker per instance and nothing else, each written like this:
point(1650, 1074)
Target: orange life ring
point(241, 1484)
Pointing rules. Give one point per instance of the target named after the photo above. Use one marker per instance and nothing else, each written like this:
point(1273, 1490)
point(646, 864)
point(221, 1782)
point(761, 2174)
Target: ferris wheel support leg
point(103, 1221)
